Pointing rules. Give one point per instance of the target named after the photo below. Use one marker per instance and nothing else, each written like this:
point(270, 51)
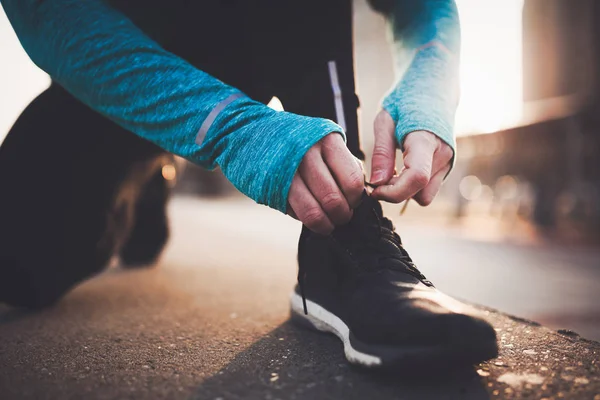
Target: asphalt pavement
point(210, 321)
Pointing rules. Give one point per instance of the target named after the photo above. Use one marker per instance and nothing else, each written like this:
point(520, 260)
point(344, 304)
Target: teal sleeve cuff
point(259, 149)
point(427, 96)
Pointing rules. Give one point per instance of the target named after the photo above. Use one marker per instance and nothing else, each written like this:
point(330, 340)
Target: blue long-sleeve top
point(108, 63)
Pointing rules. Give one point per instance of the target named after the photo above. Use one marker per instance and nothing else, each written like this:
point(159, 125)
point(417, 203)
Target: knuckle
point(380, 151)
point(356, 181)
point(313, 217)
point(332, 201)
point(356, 186)
point(360, 166)
point(420, 178)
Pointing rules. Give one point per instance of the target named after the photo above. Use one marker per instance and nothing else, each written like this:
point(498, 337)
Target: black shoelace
point(406, 265)
point(386, 232)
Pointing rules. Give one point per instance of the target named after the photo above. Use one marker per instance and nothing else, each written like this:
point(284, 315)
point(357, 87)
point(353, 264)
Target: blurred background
point(517, 224)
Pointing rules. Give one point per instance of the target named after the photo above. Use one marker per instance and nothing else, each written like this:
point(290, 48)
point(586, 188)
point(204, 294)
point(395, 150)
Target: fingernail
point(377, 176)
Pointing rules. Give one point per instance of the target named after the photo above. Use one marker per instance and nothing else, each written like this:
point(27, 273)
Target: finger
point(418, 160)
point(384, 150)
point(324, 188)
point(426, 196)
point(442, 157)
point(307, 208)
point(345, 168)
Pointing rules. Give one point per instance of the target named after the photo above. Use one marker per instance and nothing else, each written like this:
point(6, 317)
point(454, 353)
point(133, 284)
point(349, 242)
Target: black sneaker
point(360, 284)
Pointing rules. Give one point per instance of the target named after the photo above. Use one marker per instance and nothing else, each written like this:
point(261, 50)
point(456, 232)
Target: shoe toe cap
point(421, 318)
point(465, 331)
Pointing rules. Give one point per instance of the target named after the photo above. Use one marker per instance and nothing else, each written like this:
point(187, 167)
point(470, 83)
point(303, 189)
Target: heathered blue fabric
point(104, 60)
point(427, 94)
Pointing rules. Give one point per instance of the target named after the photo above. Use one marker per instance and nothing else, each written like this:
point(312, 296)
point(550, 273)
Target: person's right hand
point(327, 186)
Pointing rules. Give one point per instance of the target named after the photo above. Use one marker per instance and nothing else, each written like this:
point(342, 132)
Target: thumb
point(384, 151)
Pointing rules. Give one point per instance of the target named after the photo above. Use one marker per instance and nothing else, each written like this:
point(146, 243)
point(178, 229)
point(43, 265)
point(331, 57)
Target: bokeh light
point(491, 65)
point(470, 187)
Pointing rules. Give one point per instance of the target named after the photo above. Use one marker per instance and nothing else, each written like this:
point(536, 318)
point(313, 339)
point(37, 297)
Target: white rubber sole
point(325, 321)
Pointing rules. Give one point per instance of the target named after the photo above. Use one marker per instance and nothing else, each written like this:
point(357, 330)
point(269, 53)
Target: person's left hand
point(427, 160)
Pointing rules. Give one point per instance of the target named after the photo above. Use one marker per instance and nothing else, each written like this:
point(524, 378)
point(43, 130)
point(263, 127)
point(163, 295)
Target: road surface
point(211, 322)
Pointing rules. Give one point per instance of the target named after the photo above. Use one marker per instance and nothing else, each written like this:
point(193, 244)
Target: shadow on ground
point(294, 363)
